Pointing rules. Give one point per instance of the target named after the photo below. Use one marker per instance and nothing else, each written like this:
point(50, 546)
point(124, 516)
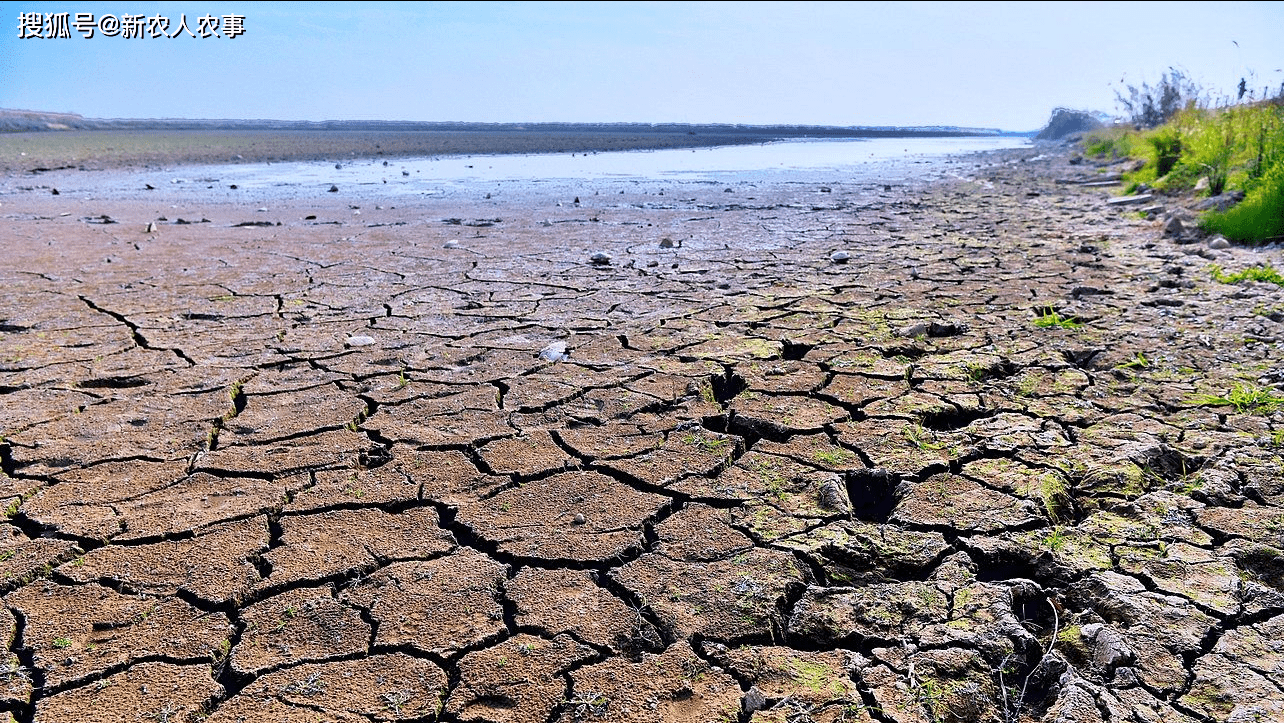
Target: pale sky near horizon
point(992, 65)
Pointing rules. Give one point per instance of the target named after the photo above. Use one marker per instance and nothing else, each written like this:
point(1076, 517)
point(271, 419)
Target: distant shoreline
point(67, 141)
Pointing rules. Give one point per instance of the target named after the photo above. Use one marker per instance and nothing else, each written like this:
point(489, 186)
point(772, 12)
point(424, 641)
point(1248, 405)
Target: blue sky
point(999, 65)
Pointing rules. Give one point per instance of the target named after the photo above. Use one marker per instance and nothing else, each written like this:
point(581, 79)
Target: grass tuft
point(1263, 272)
point(1246, 399)
point(1050, 319)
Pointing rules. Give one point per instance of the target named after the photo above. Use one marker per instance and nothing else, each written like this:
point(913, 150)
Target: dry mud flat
point(385, 467)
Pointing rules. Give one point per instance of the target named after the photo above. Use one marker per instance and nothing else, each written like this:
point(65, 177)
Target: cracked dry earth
point(340, 469)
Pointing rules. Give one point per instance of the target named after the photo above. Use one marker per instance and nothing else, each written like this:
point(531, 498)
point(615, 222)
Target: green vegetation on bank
point(1236, 147)
point(1262, 272)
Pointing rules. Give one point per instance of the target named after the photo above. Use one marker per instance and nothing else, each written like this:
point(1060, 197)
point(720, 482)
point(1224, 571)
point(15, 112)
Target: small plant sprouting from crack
point(308, 686)
point(1048, 318)
point(167, 714)
point(394, 700)
point(1054, 495)
point(708, 444)
point(590, 703)
point(286, 617)
point(834, 458)
point(1056, 539)
point(921, 437)
point(1245, 398)
point(1138, 361)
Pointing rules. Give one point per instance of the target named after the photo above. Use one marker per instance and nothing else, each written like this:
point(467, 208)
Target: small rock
point(334, 188)
point(1202, 184)
point(666, 243)
point(1218, 242)
point(359, 341)
point(753, 700)
point(450, 245)
point(1128, 200)
point(578, 518)
point(601, 258)
point(840, 257)
point(833, 496)
point(1173, 227)
point(555, 352)
point(1109, 649)
point(723, 285)
point(151, 227)
point(913, 330)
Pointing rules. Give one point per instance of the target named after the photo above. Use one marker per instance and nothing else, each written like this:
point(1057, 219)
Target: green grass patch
point(1050, 319)
point(1263, 272)
point(1238, 147)
point(1260, 216)
point(1246, 399)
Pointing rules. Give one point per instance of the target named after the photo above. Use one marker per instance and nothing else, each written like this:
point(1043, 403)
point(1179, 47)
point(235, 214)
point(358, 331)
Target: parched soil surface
point(435, 462)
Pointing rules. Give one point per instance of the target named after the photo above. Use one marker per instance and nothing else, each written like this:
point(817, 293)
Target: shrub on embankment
point(1235, 147)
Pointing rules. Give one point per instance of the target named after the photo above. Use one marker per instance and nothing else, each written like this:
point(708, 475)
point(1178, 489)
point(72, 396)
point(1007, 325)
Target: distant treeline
point(21, 120)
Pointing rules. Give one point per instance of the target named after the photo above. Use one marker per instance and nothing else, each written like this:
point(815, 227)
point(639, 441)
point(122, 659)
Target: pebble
point(360, 341)
point(601, 258)
point(555, 352)
point(578, 518)
point(1218, 242)
point(334, 188)
point(450, 245)
point(840, 257)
